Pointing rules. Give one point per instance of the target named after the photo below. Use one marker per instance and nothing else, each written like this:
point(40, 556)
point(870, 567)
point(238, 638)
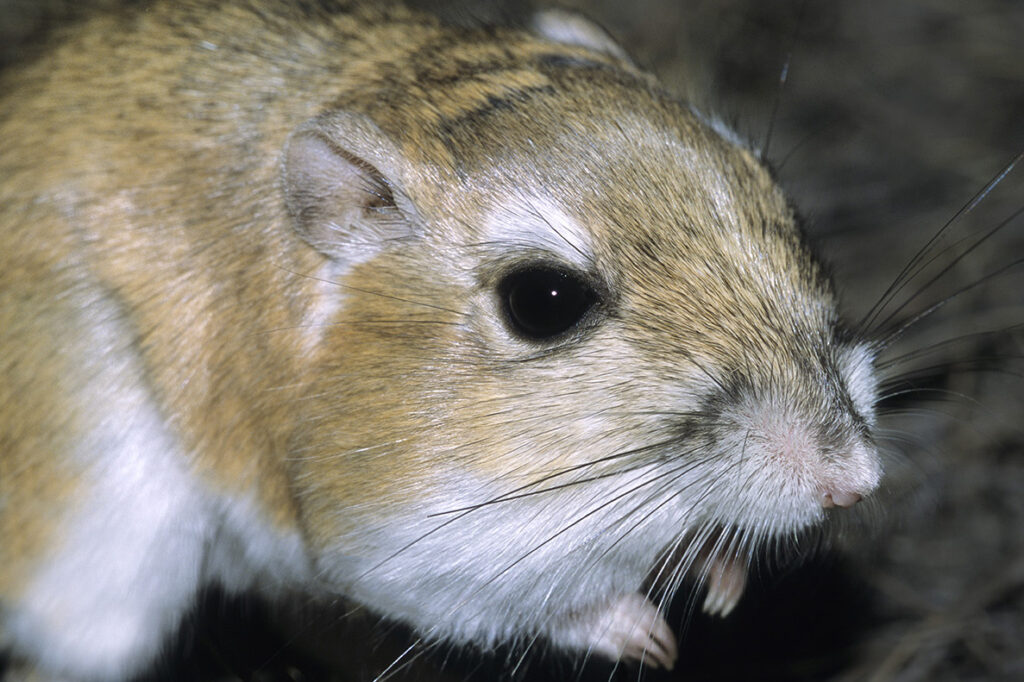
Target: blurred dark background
point(893, 115)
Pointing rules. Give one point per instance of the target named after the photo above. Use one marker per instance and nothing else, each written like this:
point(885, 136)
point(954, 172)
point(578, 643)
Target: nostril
point(840, 498)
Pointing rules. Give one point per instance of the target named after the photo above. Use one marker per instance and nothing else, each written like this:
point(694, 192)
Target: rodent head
point(572, 328)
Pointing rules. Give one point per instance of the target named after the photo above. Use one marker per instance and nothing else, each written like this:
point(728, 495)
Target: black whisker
point(390, 297)
point(940, 394)
point(519, 493)
point(910, 270)
point(514, 494)
point(783, 79)
point(939, 345)
point(991, 364)
point(551, 538)
point(891, 335)
point(951, 265)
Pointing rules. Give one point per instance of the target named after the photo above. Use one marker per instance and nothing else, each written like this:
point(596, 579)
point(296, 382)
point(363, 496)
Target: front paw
point(629, 628)
point(726, 580)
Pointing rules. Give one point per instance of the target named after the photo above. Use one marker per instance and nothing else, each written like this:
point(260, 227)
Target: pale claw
point(629, 629)
point(727, 578)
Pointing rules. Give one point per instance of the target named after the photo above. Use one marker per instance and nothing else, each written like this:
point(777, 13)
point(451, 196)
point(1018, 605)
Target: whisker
point(519, 494)
point(894, 334)
point(392, 669)
point(462, 512)
point(554, 536)
point(390, 297)
point(360, 322)
point(538, 214)
point(990, 364)
point(926, 350)
point(945, 270)
point(941, 394)
point(783, 79)
point(678, 473)
point(910, 270)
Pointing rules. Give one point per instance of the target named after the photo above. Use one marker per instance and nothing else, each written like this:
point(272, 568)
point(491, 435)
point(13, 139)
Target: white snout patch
point(862, 380)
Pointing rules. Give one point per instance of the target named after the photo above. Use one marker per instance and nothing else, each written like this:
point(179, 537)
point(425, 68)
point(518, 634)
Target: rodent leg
point(727, 578)
point(630, 628)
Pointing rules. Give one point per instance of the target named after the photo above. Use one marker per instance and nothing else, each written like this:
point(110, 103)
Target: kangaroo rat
point(478, 328)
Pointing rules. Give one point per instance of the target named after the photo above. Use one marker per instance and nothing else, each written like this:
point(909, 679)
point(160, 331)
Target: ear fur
point(343, 190)
point(569, 28)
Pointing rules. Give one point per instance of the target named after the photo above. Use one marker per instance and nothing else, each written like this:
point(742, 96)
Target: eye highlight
point(543, 301)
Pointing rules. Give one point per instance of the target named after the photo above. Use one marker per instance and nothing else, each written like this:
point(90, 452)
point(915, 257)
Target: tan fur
point(142, 171)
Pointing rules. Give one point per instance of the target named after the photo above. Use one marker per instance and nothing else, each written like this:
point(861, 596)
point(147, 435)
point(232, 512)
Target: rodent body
point(255, 330)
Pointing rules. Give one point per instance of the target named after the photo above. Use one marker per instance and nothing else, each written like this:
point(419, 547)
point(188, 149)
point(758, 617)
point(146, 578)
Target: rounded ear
point(569, 28)
point(343, 189)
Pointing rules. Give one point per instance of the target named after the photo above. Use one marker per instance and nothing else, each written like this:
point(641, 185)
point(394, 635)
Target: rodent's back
point(142, 167)
point(149, 304)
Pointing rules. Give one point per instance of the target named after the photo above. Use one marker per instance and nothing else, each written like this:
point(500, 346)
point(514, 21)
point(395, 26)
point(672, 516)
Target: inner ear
point(341, 181)
point(569, 28)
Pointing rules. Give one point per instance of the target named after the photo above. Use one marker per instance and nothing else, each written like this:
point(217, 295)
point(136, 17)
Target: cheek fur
point(858, 368)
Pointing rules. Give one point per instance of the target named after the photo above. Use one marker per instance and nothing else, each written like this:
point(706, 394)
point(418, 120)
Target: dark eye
point(543, 301)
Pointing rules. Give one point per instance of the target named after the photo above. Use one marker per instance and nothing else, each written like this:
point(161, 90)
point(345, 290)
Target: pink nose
point(840, 498)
